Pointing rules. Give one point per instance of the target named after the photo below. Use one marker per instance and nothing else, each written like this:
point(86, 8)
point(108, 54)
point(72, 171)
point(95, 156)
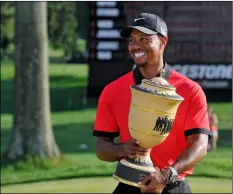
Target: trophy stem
point(144, 160)
point(132, 170)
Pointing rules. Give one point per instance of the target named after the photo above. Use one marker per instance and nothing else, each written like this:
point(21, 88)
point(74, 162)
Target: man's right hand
point(132, 149)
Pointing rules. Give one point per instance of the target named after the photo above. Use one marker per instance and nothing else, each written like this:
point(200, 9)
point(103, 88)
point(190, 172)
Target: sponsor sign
point(209, 76)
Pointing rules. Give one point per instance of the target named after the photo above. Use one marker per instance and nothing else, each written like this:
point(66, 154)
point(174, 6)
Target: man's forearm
point(191, 156)
point(107, 150)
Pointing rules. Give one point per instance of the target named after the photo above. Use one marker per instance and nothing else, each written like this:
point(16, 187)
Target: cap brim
point(127, 31)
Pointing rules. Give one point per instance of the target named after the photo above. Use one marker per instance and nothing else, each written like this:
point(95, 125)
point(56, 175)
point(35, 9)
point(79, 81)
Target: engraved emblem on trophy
point(152, 112)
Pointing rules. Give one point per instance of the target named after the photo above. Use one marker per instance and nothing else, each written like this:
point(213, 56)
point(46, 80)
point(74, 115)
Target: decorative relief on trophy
point(163, 125)
point(142, 176)
point(152, 112)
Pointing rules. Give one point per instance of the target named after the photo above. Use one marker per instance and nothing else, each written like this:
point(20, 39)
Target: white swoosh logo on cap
point(163, 30)
point(139, 19)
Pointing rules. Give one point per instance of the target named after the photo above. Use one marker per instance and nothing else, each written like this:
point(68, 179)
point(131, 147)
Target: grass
point(66, 81)
point(107, 185)
point(73, 126)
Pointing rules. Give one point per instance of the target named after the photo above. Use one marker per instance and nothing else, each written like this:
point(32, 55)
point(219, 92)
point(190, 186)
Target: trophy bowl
point(152, 111)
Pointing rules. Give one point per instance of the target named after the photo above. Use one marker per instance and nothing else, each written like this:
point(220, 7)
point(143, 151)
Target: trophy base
point(131, 171)
point(126, 181)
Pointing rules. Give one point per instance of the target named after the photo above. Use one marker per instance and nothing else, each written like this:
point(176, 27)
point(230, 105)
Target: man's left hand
point(154, 183)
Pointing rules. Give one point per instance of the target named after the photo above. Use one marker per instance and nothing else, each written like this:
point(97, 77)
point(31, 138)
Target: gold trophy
point(152, 111)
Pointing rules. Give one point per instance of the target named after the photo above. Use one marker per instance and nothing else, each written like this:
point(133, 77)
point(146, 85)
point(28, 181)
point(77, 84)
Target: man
point(213, 120)
point(187, 142)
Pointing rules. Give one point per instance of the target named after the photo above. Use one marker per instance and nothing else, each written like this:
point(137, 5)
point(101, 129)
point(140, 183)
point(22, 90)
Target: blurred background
point(80, 45)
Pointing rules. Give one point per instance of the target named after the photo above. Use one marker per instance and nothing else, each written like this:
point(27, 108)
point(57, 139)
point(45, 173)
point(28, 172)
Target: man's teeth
point(139, 54)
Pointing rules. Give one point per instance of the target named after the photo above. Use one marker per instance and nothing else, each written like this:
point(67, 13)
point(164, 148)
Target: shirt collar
point(138, 77)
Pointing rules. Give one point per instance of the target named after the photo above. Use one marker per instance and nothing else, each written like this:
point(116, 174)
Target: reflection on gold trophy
point(152, 111)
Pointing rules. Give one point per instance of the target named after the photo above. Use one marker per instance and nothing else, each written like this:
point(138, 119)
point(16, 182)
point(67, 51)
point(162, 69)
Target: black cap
point(148, 24)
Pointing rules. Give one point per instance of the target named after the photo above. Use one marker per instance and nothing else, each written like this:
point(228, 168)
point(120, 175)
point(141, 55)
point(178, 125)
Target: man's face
point(144, 49)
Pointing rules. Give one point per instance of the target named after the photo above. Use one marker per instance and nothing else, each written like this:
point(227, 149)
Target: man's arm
point(107, 150)
point(106, 128)
point(197, 132)
point(195, 152)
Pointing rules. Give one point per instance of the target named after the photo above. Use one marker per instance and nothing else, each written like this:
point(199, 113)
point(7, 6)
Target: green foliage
point(7, 27)
point(62, 25)
point(67, 27)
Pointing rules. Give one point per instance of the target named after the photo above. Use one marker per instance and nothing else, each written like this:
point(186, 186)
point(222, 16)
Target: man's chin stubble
point(141, 64)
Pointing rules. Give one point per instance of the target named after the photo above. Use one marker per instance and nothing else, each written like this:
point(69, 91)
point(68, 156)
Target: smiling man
point(187, 142)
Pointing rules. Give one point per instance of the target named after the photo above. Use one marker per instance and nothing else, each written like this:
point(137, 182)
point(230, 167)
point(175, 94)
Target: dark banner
point(106, 20)
point(199, 46)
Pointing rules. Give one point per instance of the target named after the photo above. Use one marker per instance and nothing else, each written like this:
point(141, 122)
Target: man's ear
point(163, 42)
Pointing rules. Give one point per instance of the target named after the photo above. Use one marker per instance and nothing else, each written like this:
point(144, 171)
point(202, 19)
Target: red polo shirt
point(191, 118)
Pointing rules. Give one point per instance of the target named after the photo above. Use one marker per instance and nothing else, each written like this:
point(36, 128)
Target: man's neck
point(151, 71)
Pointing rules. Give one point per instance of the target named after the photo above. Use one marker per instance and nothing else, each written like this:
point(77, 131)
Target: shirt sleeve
point(197, 121)
point(105, 123)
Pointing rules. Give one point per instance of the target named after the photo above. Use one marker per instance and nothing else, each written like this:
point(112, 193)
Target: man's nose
point(135, 45)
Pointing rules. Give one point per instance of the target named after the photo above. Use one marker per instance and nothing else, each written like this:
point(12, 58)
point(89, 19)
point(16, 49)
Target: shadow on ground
point(71, 137)
point(68, 137)
point(225, 138)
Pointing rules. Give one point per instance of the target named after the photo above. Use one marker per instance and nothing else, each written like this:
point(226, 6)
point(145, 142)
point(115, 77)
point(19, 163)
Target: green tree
point(63, 25)
point(67, 27)
point(7, 27)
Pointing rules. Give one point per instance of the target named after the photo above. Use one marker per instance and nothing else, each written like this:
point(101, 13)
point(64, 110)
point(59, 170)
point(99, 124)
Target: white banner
point(209, 76)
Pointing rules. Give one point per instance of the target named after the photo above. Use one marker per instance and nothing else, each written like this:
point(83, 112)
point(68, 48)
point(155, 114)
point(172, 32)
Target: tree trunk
point(32, 130)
